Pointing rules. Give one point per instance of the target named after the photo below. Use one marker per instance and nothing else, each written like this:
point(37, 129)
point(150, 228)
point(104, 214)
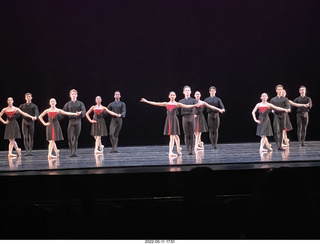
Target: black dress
point(264, 128)
point(171, 126)
point(53, 131)
point(12, 130)
point(200, 124)
point(99, 128)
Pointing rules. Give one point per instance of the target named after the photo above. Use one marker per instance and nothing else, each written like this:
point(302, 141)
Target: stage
point(141, 193)
point(142, 159)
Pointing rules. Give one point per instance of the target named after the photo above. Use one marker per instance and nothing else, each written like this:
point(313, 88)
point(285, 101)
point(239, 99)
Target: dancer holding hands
point(264, 125)
point(98, 127)
point(171, 127)
point(53, 128)
point(12, 130)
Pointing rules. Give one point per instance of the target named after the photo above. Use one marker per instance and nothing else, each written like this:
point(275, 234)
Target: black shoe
point(280, 149)
point(111, 151)
point(27, 154)
point(214, 147)
point(115, 151)
point(190, 153)
point(73, 155)
point(303, 145)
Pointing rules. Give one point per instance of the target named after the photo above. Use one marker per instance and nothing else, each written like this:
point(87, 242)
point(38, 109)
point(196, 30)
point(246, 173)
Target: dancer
point(188, 119)
point(98, 127)
point(171, 127)
point(27, 123)
point(287, 123)
point(213, 116)
point(118, 107)
point(74, 126)
point(303, 114)
point(200, 122)
point(53, 129)
point(279, 118)
point(12, 130)
point(264, 126)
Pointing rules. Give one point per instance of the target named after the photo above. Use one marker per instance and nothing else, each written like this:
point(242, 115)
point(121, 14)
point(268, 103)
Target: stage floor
point(235, 156)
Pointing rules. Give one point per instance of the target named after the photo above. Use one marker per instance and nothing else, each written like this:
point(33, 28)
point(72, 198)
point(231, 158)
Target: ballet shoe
point(269, 147)
point(101, 147)
point(97, 152)
point(11, 155)
point(57, 153)
point(263, 150)
point(51, 156)
point(19, 151)
point(179, 150)
point(201, 144)
point(171, 154)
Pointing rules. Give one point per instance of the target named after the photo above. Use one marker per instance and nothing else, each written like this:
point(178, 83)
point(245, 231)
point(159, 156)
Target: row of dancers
point(191, 110)
point(75, 110)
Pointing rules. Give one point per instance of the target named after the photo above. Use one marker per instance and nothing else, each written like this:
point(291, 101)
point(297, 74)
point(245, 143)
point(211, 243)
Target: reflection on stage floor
point(234, 156)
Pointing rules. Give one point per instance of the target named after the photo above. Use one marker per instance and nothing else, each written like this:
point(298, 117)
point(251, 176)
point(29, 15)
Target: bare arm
point(298, 104)
point(68, 113)
point(186, 106)
point(25, 114)
point(161, 104)
point(278, 108)
point(213, 107)
point(110, 112)
point(88, 115)
point(1, 113)
point(41, 118)
point(254, 114)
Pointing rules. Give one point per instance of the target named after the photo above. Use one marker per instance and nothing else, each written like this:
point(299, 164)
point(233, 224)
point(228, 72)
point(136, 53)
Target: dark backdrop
point(148, 48)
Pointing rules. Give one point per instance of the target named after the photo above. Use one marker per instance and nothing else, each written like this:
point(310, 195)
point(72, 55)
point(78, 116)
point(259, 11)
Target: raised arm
point(161, 104)
point(25, 114)
point(187, 106)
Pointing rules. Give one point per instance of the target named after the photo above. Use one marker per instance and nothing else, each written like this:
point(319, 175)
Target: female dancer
point(53, 129)
point(98, 127)
point(200, 122)
point(12, 130)
point(264, 126)
point(171, 127)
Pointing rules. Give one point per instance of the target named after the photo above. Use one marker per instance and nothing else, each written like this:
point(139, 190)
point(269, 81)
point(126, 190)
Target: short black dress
point(99, 128)
point(172, 126)
point(287, 122)
point(264, 128)
point(53, 131)
point(12, 130)
point(200, 124)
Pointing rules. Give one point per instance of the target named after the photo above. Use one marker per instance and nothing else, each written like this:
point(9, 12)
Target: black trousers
point(115, 127)
point(28, 132)
point(213, 125)
point(278, 127)
point(74, 129)
point(188, 130)
point(302, 124)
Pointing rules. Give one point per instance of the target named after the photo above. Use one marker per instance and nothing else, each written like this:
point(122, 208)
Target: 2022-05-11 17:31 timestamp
point(159, 241)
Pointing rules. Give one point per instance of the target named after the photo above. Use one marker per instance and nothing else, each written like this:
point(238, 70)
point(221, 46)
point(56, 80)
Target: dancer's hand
point(78, 113)
point(93, 121)
point(6, 122)
point(46, 124)
point(143, 100)
point(34, 118)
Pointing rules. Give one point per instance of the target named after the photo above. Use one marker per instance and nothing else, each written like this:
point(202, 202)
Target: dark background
point(148, 48)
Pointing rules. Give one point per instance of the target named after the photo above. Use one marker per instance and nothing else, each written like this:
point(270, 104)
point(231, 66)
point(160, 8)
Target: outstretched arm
point(278, 108)
point(187, 106)
point(110, 112)
point(298, 104)
point(213, 107)
point(25, 114)
point(69, 113)
point(161, 104)
point(254, 114)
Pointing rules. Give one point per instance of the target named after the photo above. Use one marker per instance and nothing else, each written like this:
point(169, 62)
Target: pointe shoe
point(97, 152)
point(57, 153)
point(201, 144)
point(263, 150)
point(172, 154)
point(269, 147)
point(11, 155)
point(198, 148)
point(101, 147)
point(179, 150)
point(19, 151)
point(51, 156)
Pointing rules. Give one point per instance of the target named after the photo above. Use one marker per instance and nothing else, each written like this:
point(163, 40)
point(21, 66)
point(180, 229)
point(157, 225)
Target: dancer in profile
point(74, 126)
point(53, 129)
point(213, 116)
point(200, 122)
point(303, 114)
point(118, 107)
point(171, 127)
point(264, 126)
point(27, 123)
point(98, 127)
point(12, 130)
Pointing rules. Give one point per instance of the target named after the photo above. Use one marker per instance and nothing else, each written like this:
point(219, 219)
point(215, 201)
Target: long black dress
point(264, 128)
point(12, 130)
point(99, 128)
point(172, 126)
point(53, 131)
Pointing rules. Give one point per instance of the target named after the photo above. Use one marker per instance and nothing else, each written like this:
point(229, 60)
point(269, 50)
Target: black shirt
point(31, 109)
point(303, 100)
point(281, 102)
point(75, 107)
point(189, 101)
point(118, 108)
point(214, 101)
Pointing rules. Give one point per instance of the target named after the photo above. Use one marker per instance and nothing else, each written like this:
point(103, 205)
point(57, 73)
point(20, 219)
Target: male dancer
point(213, 116)
point(27, 123)
point(118, 107)
point(188, 119)
point(302, 114)
point(279, 118)
point(74, 126)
